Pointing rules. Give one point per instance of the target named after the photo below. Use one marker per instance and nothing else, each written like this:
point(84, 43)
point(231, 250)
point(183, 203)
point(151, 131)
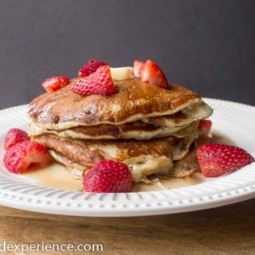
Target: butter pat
point(121, 73)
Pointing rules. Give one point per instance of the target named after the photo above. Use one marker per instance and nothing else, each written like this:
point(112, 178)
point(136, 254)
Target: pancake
point(144, 158)
point(134, 100)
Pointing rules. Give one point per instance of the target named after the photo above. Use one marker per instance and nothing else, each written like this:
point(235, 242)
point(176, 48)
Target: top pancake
point(134, 100)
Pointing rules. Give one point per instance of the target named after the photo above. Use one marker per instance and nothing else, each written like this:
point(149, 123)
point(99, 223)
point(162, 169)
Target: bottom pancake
point(144, 158)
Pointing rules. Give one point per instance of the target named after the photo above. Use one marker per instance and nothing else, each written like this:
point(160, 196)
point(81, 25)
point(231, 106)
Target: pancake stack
point(151, 129)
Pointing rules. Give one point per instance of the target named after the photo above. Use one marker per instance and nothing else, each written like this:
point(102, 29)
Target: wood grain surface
point(224, 230)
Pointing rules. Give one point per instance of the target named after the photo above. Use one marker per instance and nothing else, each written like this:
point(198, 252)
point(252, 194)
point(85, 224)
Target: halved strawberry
point(15, 136)
point(219, 159)
point(21, 157)
point(54, 83)
point(99, 82)
point(138, 66)
point(90, 67)
point(152, 73)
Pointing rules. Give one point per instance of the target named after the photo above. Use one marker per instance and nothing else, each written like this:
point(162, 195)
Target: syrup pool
point(55, 176)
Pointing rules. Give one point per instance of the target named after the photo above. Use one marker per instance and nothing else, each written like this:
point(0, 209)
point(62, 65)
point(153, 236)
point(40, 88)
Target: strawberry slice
point(219, 159)
point(21, 157)
point(204, 127)
point(54, 83)
point(138, 67)
point(15, 136)
point(152, 73)
point(99, 82)
point(90, 67)
point(108, 176)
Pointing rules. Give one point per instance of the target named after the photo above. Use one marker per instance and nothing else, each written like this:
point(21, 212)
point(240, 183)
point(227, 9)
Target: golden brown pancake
point(134, 100)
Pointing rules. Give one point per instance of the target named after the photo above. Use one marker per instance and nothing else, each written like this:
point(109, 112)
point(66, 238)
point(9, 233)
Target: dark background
point(207, 46)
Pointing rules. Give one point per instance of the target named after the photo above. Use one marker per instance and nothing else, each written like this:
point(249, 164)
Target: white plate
point(237, 121)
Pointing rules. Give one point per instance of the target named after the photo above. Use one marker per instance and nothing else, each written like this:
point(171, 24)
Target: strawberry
point(15, 136)
point(138, 67)
point(152, 73)
point(99, 82)
point(21, 157)
point(54, 83)
point(108, 176)
point(90, 67)
point(219, 159)
point(204, 127)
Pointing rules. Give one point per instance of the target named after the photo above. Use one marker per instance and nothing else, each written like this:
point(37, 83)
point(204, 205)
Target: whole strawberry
point(15, 136)
point(108, 176)
point(219, 159)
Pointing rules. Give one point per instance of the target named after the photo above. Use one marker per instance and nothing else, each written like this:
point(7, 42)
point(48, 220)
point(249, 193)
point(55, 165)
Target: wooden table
point(225, 230)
